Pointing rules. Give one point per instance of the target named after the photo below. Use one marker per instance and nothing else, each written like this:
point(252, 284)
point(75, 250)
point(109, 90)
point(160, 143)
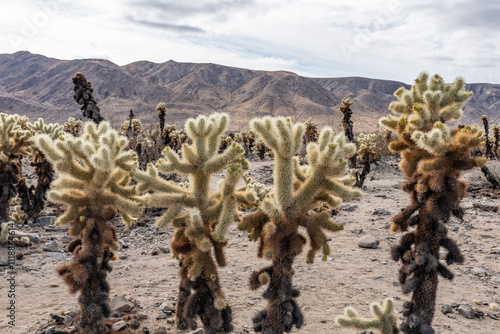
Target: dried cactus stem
point(360, 177)
point(93, 257)
point(348, 129)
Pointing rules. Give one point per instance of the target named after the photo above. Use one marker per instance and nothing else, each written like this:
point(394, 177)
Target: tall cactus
point(94, 174)
point(297, 190)
point(84, 97)
point(14, 144)
point(433, 157)
point(203, 228)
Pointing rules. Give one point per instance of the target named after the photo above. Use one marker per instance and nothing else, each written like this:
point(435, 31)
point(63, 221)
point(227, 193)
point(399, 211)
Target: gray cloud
point(172, 8)
point(165, 26)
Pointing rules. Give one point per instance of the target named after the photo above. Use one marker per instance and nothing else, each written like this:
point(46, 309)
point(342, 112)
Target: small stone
point(33, 237)
point(170, 321)
point(120, 304)
point(160, 330)
point(400, 309)
point(51, 246)
point(451, 316)
point(492, 316)
point(251, 302)
point(58, 318)
point(196, 331)
point(155, 252)
point(445, 309)
point(368, 241)
point(348, 207)
point(167, 307)
point(162, 315)
point(141, 230)
point(46, 220)
point(381, 212)
point(165, 250)
point(243, 234)
point(119, 325)
point(466, 310)
point(53, 285)
point(357, 230)
point(478, 271)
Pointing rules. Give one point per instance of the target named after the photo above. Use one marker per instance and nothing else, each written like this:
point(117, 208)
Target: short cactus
point(94, 173)
point(201, 230)
point(367, 152)
point(73, 126)
point(384, 320)
point(297, 190)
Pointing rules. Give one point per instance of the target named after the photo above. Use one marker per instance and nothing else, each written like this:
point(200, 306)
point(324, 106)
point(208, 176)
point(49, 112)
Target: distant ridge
point(38, 86)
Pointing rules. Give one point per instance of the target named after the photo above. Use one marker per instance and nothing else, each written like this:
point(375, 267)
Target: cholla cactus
point(33, 198)
point(22, 121)
point(4, 231)
point(94, 173)
point(246, 139)
point(311, 134)
point(432, 158)
point(260, 149)
point(83, 96)
point(73, 126)
point(177, 139)
point(297, 190)
point(225, 142)
point(496, 136)
point(203, 228)
point(161, 114)
point(131, 127)
point(367, 152)
point(487, 143)
point(384, 318)
point(347, 124)
point(14, 144)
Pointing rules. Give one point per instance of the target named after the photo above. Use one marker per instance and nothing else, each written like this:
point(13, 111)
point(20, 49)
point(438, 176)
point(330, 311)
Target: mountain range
point(38, 86)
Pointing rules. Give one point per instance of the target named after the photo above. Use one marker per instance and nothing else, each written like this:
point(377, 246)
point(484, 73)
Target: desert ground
point(146, 274)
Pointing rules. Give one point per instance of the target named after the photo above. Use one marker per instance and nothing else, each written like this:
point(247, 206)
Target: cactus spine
point(204, 226)
point(433, 157)
point(297, 190)
point(94, 173)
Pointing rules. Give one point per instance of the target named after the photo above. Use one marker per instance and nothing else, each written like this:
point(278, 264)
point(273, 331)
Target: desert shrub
point(432, 158)
point(200, 233)
point(297, 190)
point(94, 174)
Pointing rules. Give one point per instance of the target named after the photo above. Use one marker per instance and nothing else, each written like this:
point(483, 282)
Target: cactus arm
point(220, 161)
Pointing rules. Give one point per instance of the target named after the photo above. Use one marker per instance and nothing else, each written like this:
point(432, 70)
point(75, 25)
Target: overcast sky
point(382, 39)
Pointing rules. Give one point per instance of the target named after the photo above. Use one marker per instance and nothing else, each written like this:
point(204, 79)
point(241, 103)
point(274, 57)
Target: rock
point(141, 230)
point(492, 316)
point(196, 331)
point(160, 330)
point(119, 325)
point(357, 230)
point(368, 241)
point(68, 321)
point(165, 250)
point(171, 321)
point(466, 310)
point(451, 316)
point(381, 212)
point(58, 318)
point(478, 271)
point(46, 221)
point(51, 246)
point(4, 264)
point(55, 256)
point(161, 315)
point(445, 309)
point(348, 207)
point(120, 304)
point(33, 237)
point(483, 207)
point(167, 307)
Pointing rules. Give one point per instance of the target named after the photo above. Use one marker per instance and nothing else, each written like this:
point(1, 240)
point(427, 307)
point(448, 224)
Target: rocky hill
point(38, 86)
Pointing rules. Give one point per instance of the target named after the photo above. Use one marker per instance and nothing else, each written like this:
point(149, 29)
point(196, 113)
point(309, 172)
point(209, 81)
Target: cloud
point(165, 26)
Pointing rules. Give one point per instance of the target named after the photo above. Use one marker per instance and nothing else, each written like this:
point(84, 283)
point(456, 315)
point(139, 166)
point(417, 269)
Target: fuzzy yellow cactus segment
point(4, 231)
point(297, 191)
point(94, 174)
point(384, 319)
point(211, 213)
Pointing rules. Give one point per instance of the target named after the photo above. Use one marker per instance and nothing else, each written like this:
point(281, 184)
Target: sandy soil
point(351, 276)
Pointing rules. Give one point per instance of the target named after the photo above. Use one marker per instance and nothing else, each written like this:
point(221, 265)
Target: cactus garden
point(283, 226)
